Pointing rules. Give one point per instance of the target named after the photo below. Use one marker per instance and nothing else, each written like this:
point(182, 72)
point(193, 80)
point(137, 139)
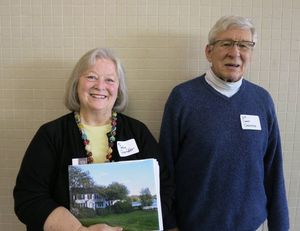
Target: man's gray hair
point(231, 21)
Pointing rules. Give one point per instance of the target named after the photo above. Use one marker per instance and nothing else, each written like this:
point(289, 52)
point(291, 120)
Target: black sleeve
point(32, 193)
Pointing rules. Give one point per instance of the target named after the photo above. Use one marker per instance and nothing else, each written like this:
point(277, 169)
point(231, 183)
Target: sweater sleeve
point(32, 193)
point(278, 217)
point(169, 138)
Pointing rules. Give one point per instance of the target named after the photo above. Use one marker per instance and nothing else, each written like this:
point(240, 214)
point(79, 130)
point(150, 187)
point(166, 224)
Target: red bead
point(108, 156)
point(86, 142)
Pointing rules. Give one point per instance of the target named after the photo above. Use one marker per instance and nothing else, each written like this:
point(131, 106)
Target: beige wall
point(160, 42)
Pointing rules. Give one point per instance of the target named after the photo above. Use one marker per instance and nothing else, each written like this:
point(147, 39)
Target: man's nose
point(234, 50)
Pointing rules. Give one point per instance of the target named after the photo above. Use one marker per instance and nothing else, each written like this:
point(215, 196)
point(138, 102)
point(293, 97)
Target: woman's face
point(98, 87)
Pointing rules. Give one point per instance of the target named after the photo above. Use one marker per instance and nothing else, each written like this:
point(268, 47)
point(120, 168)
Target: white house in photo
point(89, 198)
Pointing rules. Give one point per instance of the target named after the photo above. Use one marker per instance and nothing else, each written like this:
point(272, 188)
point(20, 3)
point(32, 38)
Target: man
point(221, 139)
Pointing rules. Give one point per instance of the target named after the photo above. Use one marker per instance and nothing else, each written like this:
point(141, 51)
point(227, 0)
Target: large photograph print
point(124, 194)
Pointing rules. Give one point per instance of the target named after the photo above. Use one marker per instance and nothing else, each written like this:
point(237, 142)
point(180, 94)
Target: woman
point(96, 94)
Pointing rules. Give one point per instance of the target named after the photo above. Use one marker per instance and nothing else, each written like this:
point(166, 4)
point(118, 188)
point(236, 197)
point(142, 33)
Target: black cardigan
point(42, 182)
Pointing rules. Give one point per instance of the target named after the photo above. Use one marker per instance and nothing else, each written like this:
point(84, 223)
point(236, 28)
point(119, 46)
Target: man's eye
point(226, 44)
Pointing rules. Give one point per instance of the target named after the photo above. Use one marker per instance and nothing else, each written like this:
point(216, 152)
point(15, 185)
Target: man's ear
point(208, 51)
point(251, 55)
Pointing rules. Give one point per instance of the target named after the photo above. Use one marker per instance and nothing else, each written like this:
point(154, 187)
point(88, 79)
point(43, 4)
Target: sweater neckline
point(224, 97)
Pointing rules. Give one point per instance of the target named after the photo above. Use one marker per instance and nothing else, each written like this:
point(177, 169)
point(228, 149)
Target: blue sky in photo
point(135, 175)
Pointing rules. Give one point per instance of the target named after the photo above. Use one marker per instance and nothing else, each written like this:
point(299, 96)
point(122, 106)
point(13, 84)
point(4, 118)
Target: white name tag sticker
point(250, 122)
point(127, 148)
point(79, 161)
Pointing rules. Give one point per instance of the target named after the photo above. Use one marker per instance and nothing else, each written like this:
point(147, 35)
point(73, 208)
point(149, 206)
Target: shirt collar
point(226, 88)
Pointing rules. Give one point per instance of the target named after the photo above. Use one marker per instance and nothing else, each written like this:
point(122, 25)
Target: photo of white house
point(120, 190)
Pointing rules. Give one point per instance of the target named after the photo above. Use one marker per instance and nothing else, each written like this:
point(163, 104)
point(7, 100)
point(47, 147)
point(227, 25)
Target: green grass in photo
point(134, 221)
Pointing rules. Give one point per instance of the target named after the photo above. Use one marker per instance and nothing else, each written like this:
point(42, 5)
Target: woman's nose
point(99, 84)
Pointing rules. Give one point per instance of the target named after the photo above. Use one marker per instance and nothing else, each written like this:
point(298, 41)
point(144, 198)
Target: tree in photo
point(146, 197)
point(116, 191)
point(101, 189)
point(80, 179)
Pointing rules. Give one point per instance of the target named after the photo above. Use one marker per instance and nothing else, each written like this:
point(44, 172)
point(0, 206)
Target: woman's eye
point(110, 78)
point(91, 78)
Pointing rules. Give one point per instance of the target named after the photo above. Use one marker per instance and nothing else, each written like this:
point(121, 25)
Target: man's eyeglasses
point(228, 44)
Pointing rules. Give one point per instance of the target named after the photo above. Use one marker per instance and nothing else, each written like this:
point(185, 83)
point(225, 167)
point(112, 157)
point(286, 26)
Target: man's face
point(230, 64)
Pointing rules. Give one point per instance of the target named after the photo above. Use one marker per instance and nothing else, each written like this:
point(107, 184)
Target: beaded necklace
point(111, 137)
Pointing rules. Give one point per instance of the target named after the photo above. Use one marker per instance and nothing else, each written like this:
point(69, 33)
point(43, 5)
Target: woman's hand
point(102, 227)
point(175, 229)
point(62, 219)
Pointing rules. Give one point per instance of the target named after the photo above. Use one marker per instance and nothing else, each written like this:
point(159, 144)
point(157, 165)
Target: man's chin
point(231, 79)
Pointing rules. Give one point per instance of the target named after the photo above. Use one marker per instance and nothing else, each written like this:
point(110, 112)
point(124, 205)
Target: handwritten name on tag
point(127, 148)
point(250, 122)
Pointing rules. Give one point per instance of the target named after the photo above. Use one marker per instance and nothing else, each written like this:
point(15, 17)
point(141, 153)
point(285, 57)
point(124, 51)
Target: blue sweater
point(226, 178)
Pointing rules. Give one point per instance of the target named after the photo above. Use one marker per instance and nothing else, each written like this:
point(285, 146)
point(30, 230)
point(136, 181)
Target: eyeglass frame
point(234, 42)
